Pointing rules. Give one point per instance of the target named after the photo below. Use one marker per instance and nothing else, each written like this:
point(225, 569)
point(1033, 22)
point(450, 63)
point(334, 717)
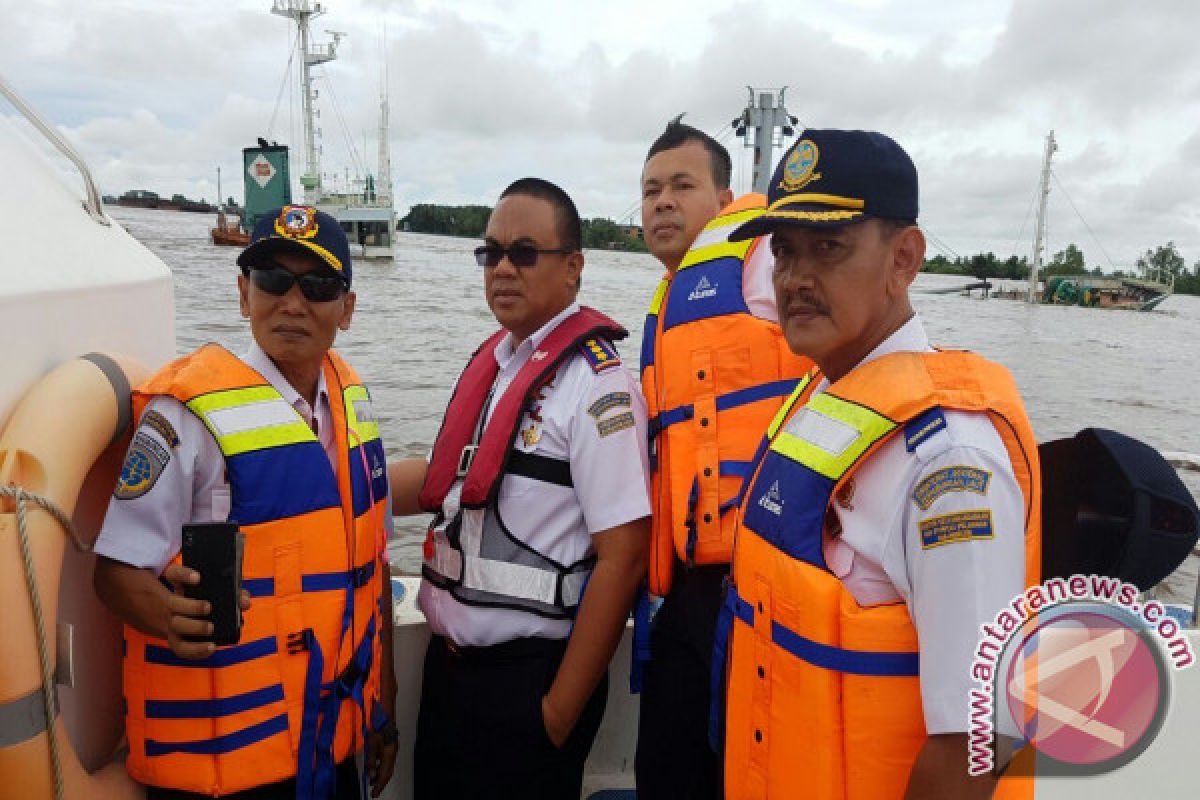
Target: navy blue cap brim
point(820, 217)
point(263, 248)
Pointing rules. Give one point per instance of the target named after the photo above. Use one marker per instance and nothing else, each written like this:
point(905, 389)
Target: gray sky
point(158, 94)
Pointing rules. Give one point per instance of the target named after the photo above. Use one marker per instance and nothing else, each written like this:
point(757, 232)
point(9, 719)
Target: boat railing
point(92, 202)
point(1188, 462)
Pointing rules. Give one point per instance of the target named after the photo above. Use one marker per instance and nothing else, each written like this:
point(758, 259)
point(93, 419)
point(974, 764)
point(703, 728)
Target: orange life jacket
point(823, 697)
point(713, 375)
point(292, 698)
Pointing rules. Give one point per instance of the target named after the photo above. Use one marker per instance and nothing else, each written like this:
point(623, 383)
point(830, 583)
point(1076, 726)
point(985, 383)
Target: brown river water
point(420, 318)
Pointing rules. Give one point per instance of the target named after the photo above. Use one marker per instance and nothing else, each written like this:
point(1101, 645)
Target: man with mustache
point(537, 481)
point(715, 369)
point(894, 511)
point(281, 441)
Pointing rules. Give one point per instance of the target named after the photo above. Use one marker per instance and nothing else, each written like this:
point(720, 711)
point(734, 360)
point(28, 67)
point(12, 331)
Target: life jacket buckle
point(300, 641)
point(464, 460)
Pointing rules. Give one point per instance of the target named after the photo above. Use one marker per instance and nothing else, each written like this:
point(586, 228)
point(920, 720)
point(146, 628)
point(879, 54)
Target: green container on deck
point(268, 181)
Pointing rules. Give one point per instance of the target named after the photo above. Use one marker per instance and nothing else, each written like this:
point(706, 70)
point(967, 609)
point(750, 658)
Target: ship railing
point(1188, 462)
point(92, 203)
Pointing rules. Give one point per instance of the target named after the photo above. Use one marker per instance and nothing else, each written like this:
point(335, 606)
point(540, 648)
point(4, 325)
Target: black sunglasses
point(520, 255)
point(317, 287)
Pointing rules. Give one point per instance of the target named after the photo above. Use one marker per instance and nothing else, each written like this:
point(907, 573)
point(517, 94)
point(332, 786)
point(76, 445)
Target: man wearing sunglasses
point(537, 483)
point(281, 441)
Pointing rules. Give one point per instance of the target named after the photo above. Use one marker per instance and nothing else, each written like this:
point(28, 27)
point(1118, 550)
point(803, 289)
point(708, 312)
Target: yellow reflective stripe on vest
point(830, 434)
point(365, 425)
point(660, 294)
point(712, 252)
point(786, 408)
point(253, 418)
point(713, 242)
point(736, 218)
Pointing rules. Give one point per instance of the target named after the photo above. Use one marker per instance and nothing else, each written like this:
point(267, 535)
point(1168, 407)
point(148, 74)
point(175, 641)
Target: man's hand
point(187, 619)
point(381, 758)
point(557, 729)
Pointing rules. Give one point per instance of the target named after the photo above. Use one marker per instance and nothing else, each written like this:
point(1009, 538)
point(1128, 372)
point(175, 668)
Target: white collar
point(257, 359)
point(505, 352)
point(908, 338)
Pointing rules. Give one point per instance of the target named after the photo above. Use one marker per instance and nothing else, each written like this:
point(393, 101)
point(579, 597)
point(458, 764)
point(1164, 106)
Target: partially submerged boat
point(1135, 294)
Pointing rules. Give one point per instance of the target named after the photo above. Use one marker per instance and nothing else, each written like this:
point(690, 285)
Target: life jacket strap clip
point(465, 459)
point(300, 641)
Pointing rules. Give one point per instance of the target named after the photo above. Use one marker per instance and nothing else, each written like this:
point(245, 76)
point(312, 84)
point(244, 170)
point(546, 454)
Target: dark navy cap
point(301, 229)
point(830, 178)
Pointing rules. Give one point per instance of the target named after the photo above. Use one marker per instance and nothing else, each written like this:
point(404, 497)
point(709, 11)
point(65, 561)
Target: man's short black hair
point(678, 134)
point(570, 229)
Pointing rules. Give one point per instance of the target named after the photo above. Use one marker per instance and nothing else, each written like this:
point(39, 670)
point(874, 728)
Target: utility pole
point(1039, 240)
point(302, 12)
point(765, 117)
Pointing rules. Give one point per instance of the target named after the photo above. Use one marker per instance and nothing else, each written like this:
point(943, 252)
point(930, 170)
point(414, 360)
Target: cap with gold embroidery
point(830, 178)
point(301, 229)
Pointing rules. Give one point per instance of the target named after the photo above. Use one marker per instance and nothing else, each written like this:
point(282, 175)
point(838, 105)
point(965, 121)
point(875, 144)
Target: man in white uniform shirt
point(538, 480)
point(894, 478)
point(294, 290)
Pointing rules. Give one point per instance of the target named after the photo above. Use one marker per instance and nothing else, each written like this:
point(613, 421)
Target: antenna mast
point(383, 185)
point(1039, 240)
point(302, 12)
point(764, 115)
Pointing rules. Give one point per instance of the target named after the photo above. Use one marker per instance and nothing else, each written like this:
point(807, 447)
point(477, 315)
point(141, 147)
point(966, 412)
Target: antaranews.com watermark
point(1072, 666)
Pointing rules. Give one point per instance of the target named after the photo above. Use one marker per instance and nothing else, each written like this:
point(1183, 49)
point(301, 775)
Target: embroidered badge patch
point(615, 423)
point(143, 465)
point(963, 526)
point(800, 167)
point(160, 425)
point(950, 479)
point(297, 222)
point(608, 402)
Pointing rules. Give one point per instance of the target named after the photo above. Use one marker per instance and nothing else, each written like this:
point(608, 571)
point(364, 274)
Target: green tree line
point(1155, 264)
point(471, 221)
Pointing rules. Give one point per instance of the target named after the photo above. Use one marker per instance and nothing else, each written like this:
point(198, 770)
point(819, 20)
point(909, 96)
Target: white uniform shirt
point(609, 470)
point(190, 487)
point(757, 285)
point(952, 587)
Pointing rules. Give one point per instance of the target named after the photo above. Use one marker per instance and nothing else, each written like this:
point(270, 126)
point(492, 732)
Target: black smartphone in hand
point(214, 550)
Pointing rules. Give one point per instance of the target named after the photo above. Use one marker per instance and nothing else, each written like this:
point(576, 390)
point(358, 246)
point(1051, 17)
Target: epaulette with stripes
point(600, 354)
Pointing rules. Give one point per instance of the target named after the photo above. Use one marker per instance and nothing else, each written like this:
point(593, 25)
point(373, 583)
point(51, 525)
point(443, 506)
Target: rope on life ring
point(48, 446)
point(49, 697)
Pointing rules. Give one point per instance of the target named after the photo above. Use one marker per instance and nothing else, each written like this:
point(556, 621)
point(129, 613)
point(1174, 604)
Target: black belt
point(539, 468)
point(529, 647)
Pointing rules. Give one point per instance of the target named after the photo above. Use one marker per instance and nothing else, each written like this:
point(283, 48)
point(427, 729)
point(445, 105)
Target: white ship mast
point(302, 12)
point(383, 183)
point(1039, 239)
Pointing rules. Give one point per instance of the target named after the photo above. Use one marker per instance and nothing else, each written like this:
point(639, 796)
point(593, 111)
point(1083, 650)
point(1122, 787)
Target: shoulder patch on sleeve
point(962, 526)
point(162, 426)
point(613, 424)
point(923, 427)
point(143, 465)
point(600, 354)
point(950, 479)
point(608, 402)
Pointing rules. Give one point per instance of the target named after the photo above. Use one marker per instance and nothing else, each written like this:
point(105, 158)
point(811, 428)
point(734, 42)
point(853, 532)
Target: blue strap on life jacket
point(732, 607)
point(640, 652)
point(306, 752)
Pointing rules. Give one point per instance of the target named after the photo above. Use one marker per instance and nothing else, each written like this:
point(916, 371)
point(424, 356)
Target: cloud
point(482, 93)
